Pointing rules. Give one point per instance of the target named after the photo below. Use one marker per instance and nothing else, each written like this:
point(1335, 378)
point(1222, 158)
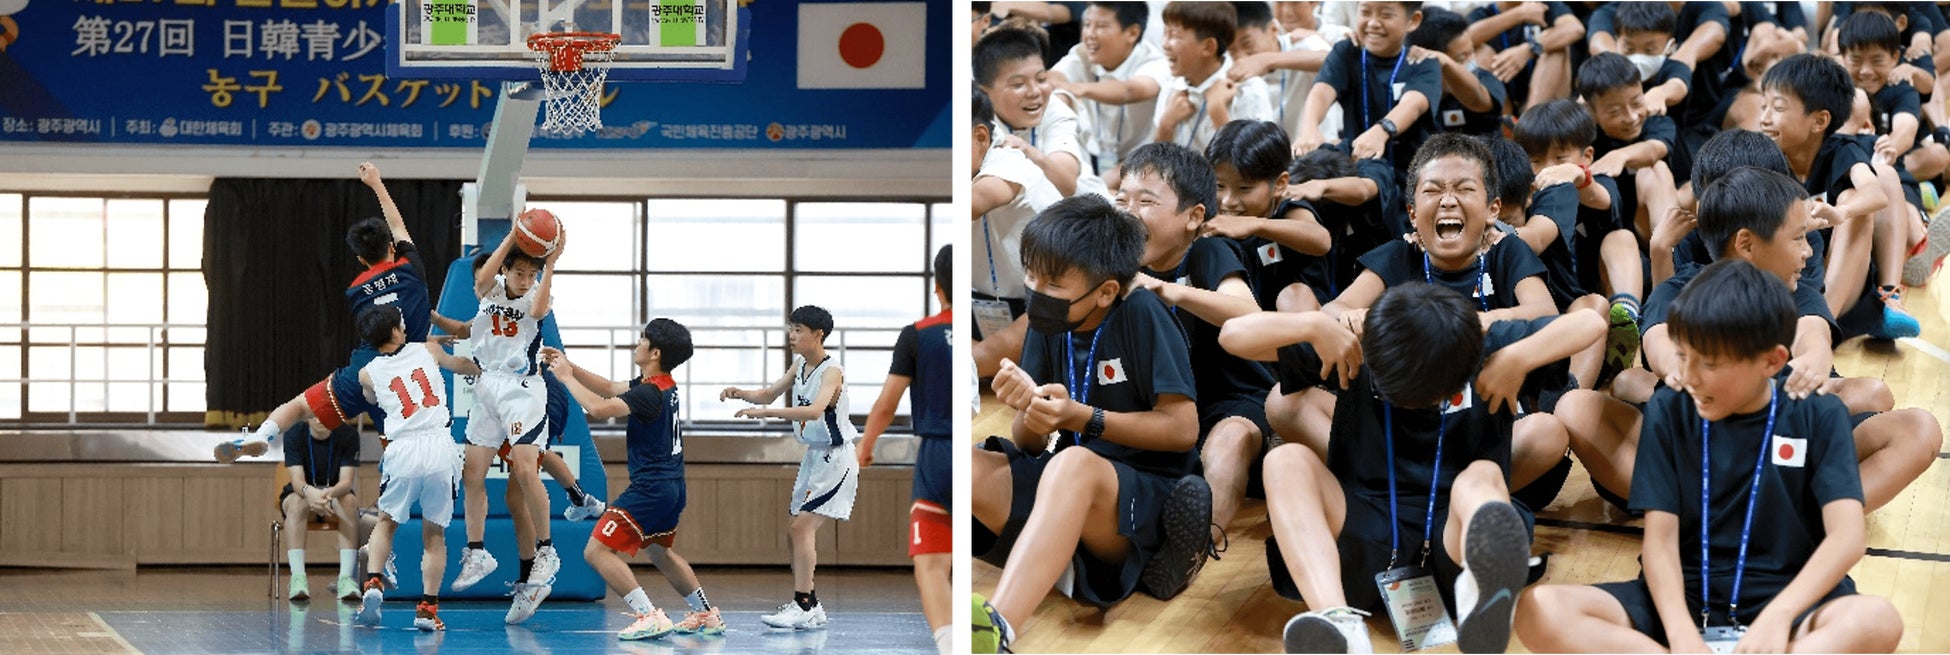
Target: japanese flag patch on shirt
point(1269, 254)
point(1462, 401)
point(1111, 371)
point(1789, 451)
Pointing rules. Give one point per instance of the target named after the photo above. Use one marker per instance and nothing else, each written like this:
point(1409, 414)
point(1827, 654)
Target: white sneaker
point(546, 564)
point(369, 609)
point(791, 617)
point(474, 565)
point(527, 598)
point(1337, 630)
point(590, 508)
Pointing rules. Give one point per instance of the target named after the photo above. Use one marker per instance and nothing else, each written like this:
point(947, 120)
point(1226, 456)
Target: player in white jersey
point(511, 408)
point(829, 475)
point(418, 464)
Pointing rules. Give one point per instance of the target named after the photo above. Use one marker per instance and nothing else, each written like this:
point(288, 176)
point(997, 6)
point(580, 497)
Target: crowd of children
point(1394, 267)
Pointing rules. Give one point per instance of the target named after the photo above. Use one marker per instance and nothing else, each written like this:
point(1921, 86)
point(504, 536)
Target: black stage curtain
point(277, 265)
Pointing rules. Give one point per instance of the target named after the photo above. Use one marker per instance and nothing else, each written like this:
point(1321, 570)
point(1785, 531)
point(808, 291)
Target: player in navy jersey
point(646, 513)
point(924, 369)
point(392, 278)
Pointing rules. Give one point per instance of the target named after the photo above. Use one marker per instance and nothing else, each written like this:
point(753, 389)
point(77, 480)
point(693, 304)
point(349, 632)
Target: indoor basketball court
point(175, 263)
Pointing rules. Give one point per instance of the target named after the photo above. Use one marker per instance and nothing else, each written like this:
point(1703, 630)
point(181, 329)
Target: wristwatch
point(1536, 49)
point(1388, 125)
point(1095, 428)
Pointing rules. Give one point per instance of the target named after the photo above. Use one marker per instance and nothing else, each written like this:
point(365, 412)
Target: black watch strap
point(1095, 428)
point(1388, 125)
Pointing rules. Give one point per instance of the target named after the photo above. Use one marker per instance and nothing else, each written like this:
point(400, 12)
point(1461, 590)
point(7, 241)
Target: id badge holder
point(992, 316)
point(1722, 638)
point(1415, 608)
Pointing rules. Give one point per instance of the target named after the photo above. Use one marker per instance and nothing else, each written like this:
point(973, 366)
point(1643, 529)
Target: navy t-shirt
point(1705, 93)
point(1275, 266)
point(1558, 204)
point(1895, 99)
point(1508, 262)
point(1593, 225)
point(1355, 231)
point(1140, 356)
point(398, 283)
point(1808, 300)
point(1828, 176)
point(321, 459)
point(656, 448)
point(1519, 86)
point(924, 353)
point(1387, 80)
point(1810, 463)
point(1454, 117)
point(1219, 375)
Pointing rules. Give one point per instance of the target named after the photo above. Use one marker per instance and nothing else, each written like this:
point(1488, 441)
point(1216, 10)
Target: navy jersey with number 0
point(656, 449)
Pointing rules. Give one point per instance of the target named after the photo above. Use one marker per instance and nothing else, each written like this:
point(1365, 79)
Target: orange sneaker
point(426, 617)
point(707, 622)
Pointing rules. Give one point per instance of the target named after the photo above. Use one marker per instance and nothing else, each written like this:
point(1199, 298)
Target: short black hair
point(980, 111)
point(674, 340)
point(1561, 122)
point(377, 322)
point(1253, 15)
point(1733, 309)
point(1656, 17)
point(1086, 233)
point(1451, 144)
point(1868, 29)
point(482, 256)
point(944, 269)
point(1413, 319)
point(1438, 29)
point(1189, 175)
point(812, 317)
point(370, 239)
point(1128, 14)
point(1753, 199)
point(1818, 82)
point(1604, 73)
point(1735, 148)
point(1001, 48)
point(1206, 20)
point(1258, 150)
point(1513, 173)
point(1321, 164)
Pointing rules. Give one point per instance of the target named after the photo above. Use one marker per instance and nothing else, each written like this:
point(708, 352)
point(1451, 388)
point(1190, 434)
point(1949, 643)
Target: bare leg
point(1619, 252)
point(474, 484)
point(1480, 483)
point(1928, 162)
point(347, 508)
point(1587, 363)
point(932, 577)
point(1076, 505)
point(1891, 237)
point(518, 511)
point(1850, 624)
point(1296, 297)
point(1657, 194)
point(805, 552)
point(1305, 506)
point(1550, 79)
point(1894, 448)
point(1604, 433)
point(523, 468)
point(433, 567)
point(993, 348)
point(1848, 263)
point(380, 546)
point(1634, 385)
point(1228, 456)
point(994, 490)
point(610, 565)
point(1865, 395)
point(1537, 445)
point(295, 515)
point(677, 570)
point(1577, 618)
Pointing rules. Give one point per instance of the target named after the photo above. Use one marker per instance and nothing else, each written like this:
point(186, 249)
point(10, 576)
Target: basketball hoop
point(573, 66)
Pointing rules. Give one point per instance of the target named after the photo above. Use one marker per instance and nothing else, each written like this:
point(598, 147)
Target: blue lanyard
point(1506, 33)
point(988, 245)
point(1180, 275)
point(1706, 511)
point(1366, 120)
point(311, 458)
point(1070, 364)
point(1482, 272)
point(1435, 478)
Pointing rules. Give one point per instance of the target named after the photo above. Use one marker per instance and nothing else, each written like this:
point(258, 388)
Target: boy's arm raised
point(459, 365)
point(484, 276)
point(395, 222)
point(543, 296)
point(601, 385)
point(593, 404)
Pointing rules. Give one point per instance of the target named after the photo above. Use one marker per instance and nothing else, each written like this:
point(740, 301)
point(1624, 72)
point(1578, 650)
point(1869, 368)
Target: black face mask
point(1051, 315)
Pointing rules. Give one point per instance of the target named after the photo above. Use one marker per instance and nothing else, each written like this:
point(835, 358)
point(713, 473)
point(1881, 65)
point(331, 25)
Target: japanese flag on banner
point(863, 45)
point(1111, 371)
point(1790, 452)
point(1269, 254)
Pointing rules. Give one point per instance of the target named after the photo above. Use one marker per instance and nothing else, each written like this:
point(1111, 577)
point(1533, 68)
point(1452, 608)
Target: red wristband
point(1587, 178)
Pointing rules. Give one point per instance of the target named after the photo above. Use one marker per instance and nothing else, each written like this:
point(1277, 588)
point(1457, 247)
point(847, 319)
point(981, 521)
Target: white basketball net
point(573, 101)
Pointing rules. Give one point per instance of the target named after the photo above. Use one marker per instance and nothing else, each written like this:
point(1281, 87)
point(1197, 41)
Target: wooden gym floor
point(1231, 607)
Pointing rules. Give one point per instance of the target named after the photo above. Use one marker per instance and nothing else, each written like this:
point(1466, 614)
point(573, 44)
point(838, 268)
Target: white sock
point(296, 557)
point(942, 642)
point(697, 600)
point(639, 602)
point(347, 559)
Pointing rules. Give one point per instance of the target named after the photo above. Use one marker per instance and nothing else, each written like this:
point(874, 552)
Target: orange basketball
point(537, 232)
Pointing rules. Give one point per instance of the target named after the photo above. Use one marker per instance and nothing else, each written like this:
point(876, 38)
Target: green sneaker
point(300, 590)
point(348, 590)
point(1622, 343)
point(991, 631)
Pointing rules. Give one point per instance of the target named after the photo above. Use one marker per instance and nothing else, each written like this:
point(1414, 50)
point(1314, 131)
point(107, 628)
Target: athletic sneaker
point(1187, 519)
point(790, 616)
point(426, 617)
point(369, 609)
point(707, 622)
point(546, 564)
point(1622, 342)
point(300, 589)
point(1496, 561)
point(1897, 323)
point(992, 633)
point(646, 626)
point(475, 563)
point(528, 596)
point(1927, 256)
point(1337, 630)
point(590, 508)
point(229, 451)
point(348, 590)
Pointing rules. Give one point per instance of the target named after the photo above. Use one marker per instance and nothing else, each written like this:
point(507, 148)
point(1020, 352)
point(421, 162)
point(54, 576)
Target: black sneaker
point(1496, 558)
point(1187, 526)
